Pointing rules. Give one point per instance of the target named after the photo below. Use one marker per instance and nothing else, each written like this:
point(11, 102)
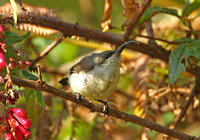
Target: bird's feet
point(105, 107)
point(79, 97)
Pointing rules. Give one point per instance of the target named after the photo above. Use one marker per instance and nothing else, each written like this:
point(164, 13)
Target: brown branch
point(99, 108)
point(195, 90)
point(135, 19)
point(47, 50)
point(74, 29)
point(66, 28)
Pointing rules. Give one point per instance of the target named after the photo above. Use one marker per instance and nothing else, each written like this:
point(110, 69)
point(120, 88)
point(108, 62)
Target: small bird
point(96, 76)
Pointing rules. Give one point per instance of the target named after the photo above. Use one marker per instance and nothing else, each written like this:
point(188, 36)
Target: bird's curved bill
point(121, 48)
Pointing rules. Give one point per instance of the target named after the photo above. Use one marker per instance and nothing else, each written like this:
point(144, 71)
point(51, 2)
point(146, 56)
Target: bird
point(96, 76)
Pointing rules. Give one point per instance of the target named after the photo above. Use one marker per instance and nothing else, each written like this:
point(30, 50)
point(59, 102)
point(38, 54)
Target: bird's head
point(109, 57)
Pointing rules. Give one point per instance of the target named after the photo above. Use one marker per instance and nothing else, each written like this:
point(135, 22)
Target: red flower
point(20, 127)
point(18, 134)
point(9, 136)
point(20, 123)
point(12, 121)
point(1, 28)
point(24, 122)
point(24, 131)
point(1, 131)
point(2, 60)
point(19, 112)
point(21, 116)
point(1, 119)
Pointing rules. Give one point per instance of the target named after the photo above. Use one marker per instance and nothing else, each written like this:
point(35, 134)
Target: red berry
point(5, 28)
point(27, 63)
point(4, 47)
point(11, 59)
point(11, 65)
point(21, 62)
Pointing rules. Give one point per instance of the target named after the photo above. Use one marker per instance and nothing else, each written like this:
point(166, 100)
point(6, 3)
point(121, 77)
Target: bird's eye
point(106, 56)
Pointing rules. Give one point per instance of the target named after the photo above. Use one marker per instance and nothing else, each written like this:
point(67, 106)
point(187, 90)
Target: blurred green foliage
point(90, 15)
point(62, 53)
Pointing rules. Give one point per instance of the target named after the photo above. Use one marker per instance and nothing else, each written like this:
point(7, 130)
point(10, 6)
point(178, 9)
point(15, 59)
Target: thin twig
point(8, 83)
point(71, 109)
point(124, 94)
point(195, 90)
point(150, 33)
point(19, 5)
point(107, 10)
point(40, 81)
point(135, 19)
point(47, 50)
point(187, 23)
point(99, 108)
point(159, 39)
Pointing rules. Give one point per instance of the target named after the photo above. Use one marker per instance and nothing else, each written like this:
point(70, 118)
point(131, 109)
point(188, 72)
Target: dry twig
point(47, 50)
point(135, 19)
point(189, 101)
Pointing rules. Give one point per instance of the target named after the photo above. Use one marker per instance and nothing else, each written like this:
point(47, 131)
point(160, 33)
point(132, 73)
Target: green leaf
point(184, 40)
point(29, 94)
point(40, 98)
point(29, 75)
point(189, 8)
point(10, 52)
point(36, 96)
point(155, 10)
point(175, 64)
point(12, 37)
point(196, 47)
point(33, 105)
point(168, 118)
point(30, 101)
point(14, 6)
point(175, 59)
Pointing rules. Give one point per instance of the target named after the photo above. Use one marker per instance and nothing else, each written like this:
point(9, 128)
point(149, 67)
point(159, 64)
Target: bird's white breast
point(98, 83)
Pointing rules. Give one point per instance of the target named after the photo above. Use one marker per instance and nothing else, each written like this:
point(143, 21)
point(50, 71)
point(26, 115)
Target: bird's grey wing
point(85, 65)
